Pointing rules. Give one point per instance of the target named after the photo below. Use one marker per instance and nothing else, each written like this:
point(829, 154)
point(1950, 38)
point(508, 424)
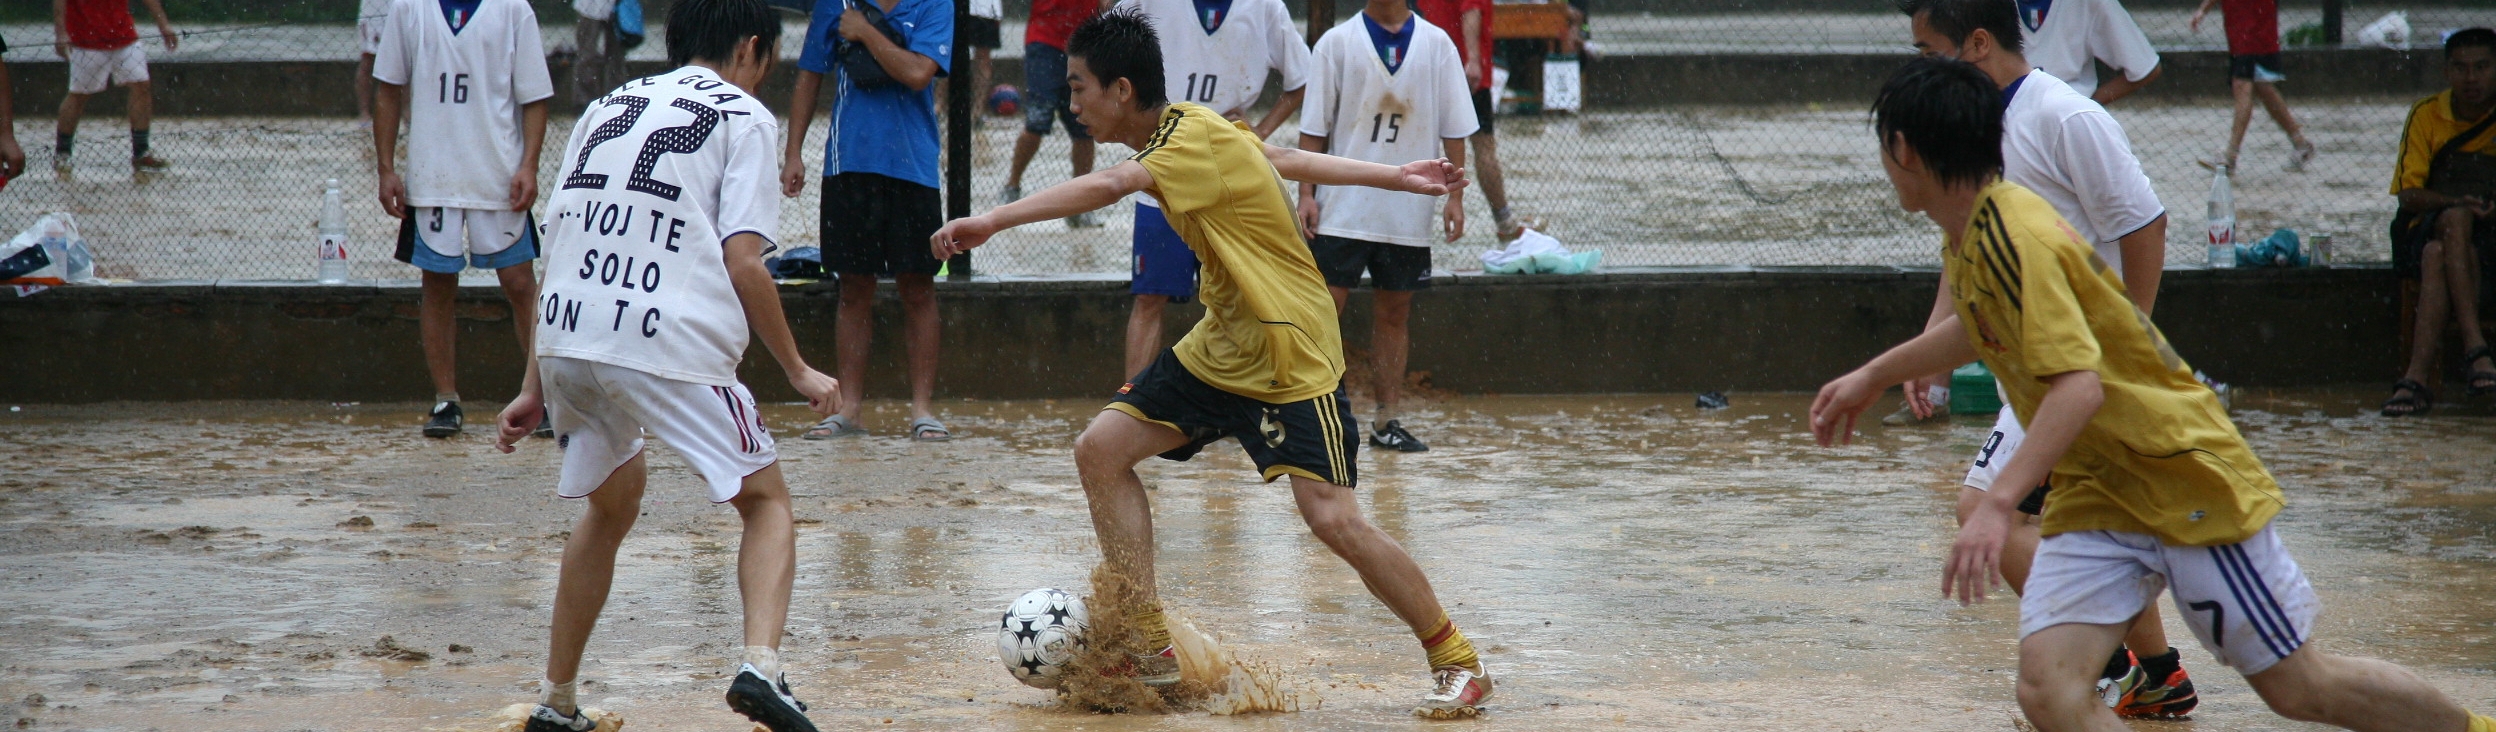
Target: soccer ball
point(1039, 634)
point(1004, 100)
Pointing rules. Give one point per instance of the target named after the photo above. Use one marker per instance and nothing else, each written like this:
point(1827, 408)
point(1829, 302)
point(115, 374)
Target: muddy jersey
point(657, 175)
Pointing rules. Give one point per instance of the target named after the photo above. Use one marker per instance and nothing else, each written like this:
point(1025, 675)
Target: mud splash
point(1211, 678)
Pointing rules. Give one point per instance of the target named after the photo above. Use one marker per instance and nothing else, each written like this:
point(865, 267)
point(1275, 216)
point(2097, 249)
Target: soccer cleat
point(2171, 698)
point(1392, 436)
point(2303, 155)
point(1009, 195)
point(1460, 694)
point(60, 164)
point(1158, 669)
point(443, 421)
point(768, 703)
point(149, 164)
point(546, 719)
point(2113, 688)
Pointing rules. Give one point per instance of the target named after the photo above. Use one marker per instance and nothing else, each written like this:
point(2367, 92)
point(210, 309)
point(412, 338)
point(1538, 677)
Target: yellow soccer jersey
point(1269, 329)
point(2160, 457)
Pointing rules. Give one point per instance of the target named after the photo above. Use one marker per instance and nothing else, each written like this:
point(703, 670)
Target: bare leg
point(766, 555)
point(921, 328)
point(2355, 693)
point(1486, 170)
point(1389, 343)
point(1342, 295)
point(2058, 669)
point(437, 316)
point(983, 67)
point(520, 289)
point(853, 332)
point(1080, 157)
point(1122, 516)
point(2461, 273)
point(142, 105)
point(364, 88)
point(73, 106)
point(1025, 146)
point(1333, 513)
point(2272, 103)
point(2244, 117)
point(589, 566)
point(1144, 332)
point(2435, 296)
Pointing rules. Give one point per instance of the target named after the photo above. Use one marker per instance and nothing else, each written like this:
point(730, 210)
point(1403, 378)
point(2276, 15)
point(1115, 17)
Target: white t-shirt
point(466, 69)
point(1219, 58)
point(2066, 37)
point(990, 9)
point(2073, 154)
point(1367, 113)
point(371, 11)
point(656, 177)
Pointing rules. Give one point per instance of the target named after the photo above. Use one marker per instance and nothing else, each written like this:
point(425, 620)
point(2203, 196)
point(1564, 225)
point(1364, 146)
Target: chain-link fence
point(1647, 180)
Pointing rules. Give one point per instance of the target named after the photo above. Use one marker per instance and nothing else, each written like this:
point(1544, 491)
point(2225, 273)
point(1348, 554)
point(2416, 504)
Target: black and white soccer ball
point(1039, 635)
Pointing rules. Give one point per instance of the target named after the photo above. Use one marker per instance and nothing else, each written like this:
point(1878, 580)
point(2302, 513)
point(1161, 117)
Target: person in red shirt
point(12, 159)
point(1469, 23)
point(2254, 72)
point(1044, 94)
point(101, 42)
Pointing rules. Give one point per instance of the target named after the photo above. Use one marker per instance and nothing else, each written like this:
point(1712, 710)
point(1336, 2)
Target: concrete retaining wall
point(1682, 330)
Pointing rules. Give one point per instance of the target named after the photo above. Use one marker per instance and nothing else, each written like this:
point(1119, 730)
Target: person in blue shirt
point(880, 200)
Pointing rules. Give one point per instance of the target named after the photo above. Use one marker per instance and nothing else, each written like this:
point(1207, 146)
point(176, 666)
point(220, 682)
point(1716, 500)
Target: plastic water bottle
point(333, 236)
point(2222, 222)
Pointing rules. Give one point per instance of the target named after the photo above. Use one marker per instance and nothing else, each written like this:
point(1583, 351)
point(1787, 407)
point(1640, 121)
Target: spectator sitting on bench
point(2446, 229)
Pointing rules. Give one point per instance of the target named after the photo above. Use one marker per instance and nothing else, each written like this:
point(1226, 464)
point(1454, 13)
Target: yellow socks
point(1447, 647)
point(1156, 629)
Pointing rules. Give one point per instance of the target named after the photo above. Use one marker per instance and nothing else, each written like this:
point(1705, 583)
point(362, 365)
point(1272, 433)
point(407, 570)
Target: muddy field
point(1624, 562)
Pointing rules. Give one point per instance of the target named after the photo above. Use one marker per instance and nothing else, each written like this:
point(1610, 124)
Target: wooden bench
point(1531, 21)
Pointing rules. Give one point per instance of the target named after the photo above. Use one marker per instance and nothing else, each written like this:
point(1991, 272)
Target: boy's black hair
point(1950, 114)
point(1121, 44)
point(1957, 19)
point(711, 29)
point(2470, 38)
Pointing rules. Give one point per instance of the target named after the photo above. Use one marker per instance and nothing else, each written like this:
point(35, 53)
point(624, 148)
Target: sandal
point(927, 429)
point(833, 426)
point(2480, 381)
point(2409, 398)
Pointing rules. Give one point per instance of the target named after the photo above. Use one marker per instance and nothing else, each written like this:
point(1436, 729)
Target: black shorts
point(879, 225)
point(1483, 111)
point(978, 32)
point(2034, 504)
point(1312, 438)
point(2264, 68)
point(1391, 267)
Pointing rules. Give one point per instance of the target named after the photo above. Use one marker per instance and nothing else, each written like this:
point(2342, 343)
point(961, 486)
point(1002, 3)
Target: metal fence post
point(958, 137)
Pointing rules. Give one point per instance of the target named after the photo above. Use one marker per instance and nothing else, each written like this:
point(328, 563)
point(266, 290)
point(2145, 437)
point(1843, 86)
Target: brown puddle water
point(1622, 561)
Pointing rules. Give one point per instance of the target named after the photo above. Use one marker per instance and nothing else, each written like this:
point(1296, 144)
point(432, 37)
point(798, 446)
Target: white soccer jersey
point(2068, 37)
point(1217, 55)
point(990, 9)
point(466, 68)
point(657, 175)
point(2075, 156)
point(1367, 113)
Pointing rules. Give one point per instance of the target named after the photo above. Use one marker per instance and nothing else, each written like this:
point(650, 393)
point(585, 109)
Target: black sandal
point(2480, 381)
point(2416, 402)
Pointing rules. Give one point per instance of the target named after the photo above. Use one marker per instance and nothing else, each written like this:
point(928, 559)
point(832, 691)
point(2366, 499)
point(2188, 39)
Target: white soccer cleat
point(1460, 694)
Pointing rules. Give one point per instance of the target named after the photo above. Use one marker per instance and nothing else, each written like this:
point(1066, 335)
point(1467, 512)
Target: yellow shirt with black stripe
point(2431, 124)
point(1269, 328)
point(2160, 457)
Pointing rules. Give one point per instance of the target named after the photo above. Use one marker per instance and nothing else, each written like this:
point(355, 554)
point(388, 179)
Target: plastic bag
point(48, 253)
point(2390, 31)
point(1535, 252)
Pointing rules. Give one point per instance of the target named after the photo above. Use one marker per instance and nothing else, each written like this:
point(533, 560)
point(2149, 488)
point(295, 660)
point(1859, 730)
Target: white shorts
point(368, 34)
point(91, 70)
point(1997, 451)
point(2247, 602)
point(601, 409)
point(447, 240)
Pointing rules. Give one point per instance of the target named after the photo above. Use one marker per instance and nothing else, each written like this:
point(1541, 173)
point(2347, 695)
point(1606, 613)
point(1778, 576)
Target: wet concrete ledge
point(1629, 330)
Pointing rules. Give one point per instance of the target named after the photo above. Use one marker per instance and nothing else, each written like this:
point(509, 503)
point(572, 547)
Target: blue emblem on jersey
point(459, 12)
point(1211, 13)
point(2032, 13)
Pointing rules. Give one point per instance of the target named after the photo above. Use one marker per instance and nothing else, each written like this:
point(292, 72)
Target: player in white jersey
point(2067, 38)
point(1217, 53)
point(369, 19)
point(2069, 151)
point(1384, 87)
point(667, 202)
point(471, 75)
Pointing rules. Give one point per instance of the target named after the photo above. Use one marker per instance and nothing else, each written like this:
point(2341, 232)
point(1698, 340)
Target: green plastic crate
point(1972, 390)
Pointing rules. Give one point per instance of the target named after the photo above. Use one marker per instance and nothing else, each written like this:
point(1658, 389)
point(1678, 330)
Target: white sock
point(448, 396)
point(766, 660)
point(559, 697)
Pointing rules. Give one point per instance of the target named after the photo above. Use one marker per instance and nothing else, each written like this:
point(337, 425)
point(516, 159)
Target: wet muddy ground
point(1623, 561)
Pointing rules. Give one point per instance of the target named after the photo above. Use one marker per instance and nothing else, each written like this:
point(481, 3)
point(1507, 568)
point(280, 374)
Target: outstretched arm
point(1093, 191)
point(1940, 348)
point(1427, 177)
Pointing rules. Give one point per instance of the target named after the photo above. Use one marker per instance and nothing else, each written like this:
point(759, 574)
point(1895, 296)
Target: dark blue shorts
point(1163, 263)
point(1044, 92)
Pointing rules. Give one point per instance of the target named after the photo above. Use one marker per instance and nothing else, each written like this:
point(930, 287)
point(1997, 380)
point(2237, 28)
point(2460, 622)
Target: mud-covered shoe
point(1157, 669)
point(1085, 220)
point(443, 421)
point(2119, 683)
point(768, 703)
point(546, 719)
point(1460, 694)
point(1391, 436)
point(2167, 698)
point(150, 164)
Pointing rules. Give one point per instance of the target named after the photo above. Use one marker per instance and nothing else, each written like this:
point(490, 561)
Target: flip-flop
point(833, 426)
point(2415, 403)
point(2478, 381)
point(919, 429)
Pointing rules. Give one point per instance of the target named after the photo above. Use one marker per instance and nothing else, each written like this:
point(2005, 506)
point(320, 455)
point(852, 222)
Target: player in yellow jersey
point(2153, 486)
point(1266, 363)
